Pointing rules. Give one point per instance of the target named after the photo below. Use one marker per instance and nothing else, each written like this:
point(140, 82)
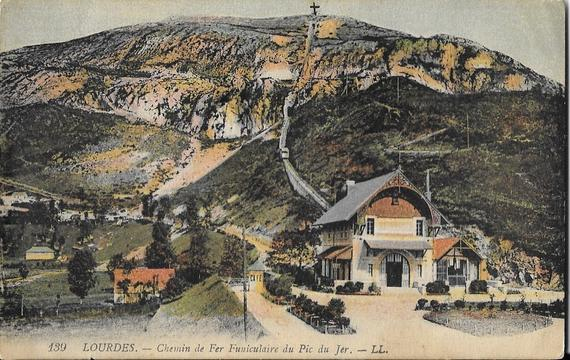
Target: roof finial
point(399, 160)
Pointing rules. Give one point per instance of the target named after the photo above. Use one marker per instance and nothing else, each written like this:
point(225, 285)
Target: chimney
point(349, 185)
point(428, 192)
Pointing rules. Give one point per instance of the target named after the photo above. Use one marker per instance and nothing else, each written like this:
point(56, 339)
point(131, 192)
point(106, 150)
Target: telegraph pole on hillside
point(468, 130)
point(244, 287)
point(2, 265)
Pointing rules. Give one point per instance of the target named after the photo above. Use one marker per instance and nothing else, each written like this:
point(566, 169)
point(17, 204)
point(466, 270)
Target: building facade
point(386, 231)
point(139, 284)
point(40, 253)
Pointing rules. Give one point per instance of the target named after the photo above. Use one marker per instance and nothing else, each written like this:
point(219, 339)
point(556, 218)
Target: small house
point(40, 253)
point(139, 284)
point(256, 274)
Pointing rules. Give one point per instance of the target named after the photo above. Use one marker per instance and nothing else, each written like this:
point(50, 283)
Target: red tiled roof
point(158, 277)
point(442, 246)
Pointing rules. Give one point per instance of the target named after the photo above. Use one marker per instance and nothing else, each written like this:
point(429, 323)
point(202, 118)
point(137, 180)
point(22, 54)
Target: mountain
point(172, 107)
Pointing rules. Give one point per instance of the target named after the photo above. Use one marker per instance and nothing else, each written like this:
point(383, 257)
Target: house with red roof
point(136, 285)
point(388, 232)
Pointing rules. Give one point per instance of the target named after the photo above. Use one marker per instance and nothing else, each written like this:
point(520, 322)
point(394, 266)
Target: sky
point(530, 31)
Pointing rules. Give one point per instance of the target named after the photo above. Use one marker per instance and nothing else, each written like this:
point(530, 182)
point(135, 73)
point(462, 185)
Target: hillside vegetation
point(509, 182)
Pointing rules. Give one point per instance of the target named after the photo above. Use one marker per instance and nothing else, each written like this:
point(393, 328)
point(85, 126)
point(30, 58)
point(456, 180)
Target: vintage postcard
point(282, 179)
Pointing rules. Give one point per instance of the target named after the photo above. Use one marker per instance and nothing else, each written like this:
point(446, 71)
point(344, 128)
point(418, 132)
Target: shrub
point(481, 305)
point(434, 304)
point(437, 287)
point(373, 289)
point(459, 304)
point(503, 306)
point(280, 286)
point(539, 308)
point(421, 304)
point(336, 308)
point(349, 286)
point(523, 306)
point(326, 281)
point(340, 289)
point(174, 287)
point(344, 321)
point(556, 308)
point(478, 287)
point(305, 277)
point(358, 286)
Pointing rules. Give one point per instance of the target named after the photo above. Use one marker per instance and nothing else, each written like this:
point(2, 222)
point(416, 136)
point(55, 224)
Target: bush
point(523, 306)
point(280, 286)
point(478, 287)
point(437, 287)
point(459, 304)
point(326, 281)
point(174, 287)
point(503, 306)
point(434, 304)
point(340, 289)
point(358, 286)
point(421, 304)
point(373, 289)
point(336, 308)
point(556, 308)
point(481, 305)
point(344, 321)
point(539, 308)
point(305, 277)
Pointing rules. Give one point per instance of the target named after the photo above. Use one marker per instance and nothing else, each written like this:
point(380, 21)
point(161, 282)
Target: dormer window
point(419, 228)
point(395, 197)
point(370, 226)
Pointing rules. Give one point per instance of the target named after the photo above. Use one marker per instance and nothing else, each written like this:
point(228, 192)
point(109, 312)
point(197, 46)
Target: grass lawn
point(114, 239)
point(207, 299)
point(43, 290)
point(215, 246)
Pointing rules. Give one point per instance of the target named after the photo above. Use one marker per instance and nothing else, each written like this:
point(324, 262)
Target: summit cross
point(314, 7)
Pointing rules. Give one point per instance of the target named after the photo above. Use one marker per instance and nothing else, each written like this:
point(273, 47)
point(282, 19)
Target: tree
point(81, 273)
point(336, 308)
point(198, 265)
point(116, 262)
point(174, 287)
point(159, 253)
point(192, 217)
point(292, 248)
point(23, 270)
point(232, 259)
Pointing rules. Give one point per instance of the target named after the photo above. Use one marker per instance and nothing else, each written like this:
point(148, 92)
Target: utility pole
point(468, 130)
point(244, 287)
point(2, 265)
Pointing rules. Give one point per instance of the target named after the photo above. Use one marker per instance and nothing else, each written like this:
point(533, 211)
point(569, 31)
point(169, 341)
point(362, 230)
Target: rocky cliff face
point(227, 77)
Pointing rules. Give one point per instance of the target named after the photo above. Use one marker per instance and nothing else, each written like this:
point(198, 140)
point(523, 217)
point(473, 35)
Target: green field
point(114, 239)
point(207, 299)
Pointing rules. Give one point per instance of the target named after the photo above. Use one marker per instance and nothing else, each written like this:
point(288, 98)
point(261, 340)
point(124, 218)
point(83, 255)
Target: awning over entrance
point(337, 253)
point(398, 244)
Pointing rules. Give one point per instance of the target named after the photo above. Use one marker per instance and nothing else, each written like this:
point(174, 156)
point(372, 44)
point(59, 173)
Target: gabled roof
point(257, 266)
point(157, 277)
point(442, 246)
point(360, 194)
point(40, 250)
